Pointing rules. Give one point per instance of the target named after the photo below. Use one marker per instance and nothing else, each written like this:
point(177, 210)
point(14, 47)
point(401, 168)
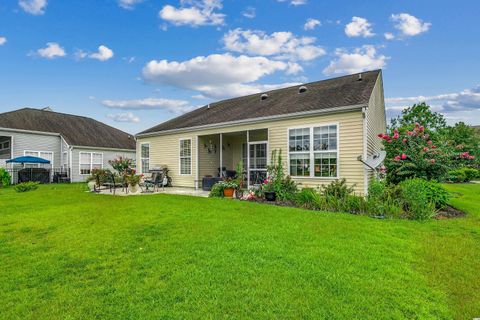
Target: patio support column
point(221, 155)
point(248, 158)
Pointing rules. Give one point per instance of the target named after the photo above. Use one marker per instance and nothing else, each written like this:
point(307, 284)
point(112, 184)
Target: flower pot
point(228, 192)
point(270, 195)
point(133, 189)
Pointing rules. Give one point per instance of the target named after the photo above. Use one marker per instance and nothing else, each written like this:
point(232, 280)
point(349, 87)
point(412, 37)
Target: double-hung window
point(313, 151)
point(90, 161)
point(145, 157)
point(185, 156)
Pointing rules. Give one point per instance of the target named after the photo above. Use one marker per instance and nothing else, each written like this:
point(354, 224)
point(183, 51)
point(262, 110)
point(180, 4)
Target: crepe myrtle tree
point(413, 154)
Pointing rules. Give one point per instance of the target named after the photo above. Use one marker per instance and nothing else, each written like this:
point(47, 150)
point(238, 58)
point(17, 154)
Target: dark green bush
point(26, 186)
point(4, 178)
point(216, 191)
point(338, 189)
point(421, 198)
point(283, 185)
point(382, 200)
point(354, 204)
point(309, 198)
point(464, 174)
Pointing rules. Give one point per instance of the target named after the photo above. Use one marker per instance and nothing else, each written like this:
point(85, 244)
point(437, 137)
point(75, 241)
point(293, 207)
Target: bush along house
point(324, 130)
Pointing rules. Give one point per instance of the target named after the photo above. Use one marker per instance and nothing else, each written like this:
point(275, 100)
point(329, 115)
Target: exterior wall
point(209, 163)
point(107, 155)
point(164, 148)
point(375, 123)
point(22, 141)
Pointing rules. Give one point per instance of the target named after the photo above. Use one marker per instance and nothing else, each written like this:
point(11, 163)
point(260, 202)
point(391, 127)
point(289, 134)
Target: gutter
point(255, 120)
point(30, 131)
point(102, 148)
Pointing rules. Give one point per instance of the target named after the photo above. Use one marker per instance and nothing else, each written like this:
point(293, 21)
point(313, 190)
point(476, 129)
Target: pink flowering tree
point(411, 153)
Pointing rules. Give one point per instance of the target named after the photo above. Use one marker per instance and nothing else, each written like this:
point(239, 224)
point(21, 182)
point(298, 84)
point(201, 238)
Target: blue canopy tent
point(28, 159)
point(41, 175)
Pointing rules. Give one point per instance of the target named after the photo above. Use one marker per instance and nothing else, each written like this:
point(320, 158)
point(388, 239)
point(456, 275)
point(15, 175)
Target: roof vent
point(47, 109)
point(302, 89)
point(208, 106)
point(359, 77)
point(264, 96)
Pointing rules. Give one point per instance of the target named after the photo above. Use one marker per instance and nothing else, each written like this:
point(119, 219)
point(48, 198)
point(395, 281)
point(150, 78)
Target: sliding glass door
point(257, 162)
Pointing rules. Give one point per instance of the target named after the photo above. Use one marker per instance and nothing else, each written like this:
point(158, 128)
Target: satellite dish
point(376, 159)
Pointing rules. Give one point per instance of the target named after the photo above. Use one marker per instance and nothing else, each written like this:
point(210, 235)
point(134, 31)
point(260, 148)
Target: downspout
point(365, 151)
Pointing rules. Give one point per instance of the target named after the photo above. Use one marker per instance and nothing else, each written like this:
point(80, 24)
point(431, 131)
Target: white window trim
point(38, 155)
point(141, 158)
point(91, 162)
point(312, 152)
point(180, 158)
point(5, 148)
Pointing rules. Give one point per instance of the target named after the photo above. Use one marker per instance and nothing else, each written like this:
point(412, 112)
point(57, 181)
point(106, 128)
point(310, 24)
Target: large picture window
point(145, 157)
point(316, 159)
point(90, 161)
point(186, 156)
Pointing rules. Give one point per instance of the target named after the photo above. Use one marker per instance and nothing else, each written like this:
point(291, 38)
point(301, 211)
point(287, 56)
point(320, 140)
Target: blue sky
point(135, 63)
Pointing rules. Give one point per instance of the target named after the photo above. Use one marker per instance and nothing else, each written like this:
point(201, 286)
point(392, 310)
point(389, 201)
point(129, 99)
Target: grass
point(68, 254)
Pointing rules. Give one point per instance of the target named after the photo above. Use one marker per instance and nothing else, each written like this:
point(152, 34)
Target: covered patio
point(220, 154)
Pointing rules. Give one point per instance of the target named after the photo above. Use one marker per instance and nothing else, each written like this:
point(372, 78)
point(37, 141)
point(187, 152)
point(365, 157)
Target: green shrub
point(464, 174)
point(382, 200)
point(26, 186)
point(337, 189)
point(309, 198)
point(354, 204)
point(457, 176)
point(420, 198)
point(284, 187)
point(216, 191)
point(4, 178)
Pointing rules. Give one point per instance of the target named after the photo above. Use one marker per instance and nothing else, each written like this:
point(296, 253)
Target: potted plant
point(228, 188)
point(268, 189)
point(133, 181)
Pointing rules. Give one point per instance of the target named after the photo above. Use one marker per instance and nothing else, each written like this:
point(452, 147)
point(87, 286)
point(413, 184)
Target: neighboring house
point(72, 143)
point(321, 129)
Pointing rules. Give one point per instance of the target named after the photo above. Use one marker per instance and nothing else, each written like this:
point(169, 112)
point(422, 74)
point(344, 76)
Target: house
point(321, 129)
point(72, 144)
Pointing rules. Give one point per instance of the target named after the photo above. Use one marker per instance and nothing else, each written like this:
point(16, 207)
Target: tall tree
point(421, 114)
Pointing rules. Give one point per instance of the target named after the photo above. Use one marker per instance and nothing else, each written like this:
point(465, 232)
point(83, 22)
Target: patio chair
point(150, 182)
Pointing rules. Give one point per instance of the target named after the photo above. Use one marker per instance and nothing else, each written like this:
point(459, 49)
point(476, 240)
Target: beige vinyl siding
point(164, 148)
point(375, 119)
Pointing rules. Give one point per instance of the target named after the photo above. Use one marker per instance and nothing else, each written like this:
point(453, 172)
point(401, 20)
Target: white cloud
point(51, 51)
point(389, 36)
point(409, 25)
point(3, 40)
point(311, 24)
point(295, 2)
point(360, 59)
point(249, 12)
point(359, 27)
point(124, 117)
point(216, 75)
point(172, 105)
point(128, 4)
point(35, 7)
point(104, 53)
point(199, 13)
point(468, 99)
point(281, 45)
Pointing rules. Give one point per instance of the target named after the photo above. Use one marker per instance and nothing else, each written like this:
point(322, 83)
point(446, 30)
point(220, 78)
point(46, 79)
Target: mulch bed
point(449, 213)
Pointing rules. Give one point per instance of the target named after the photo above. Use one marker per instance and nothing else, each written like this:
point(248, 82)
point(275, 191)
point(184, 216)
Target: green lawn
point(68, 254)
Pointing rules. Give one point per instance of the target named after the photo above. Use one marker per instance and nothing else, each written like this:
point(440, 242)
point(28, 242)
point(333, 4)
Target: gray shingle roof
point(76, 130)
point(325, 94)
